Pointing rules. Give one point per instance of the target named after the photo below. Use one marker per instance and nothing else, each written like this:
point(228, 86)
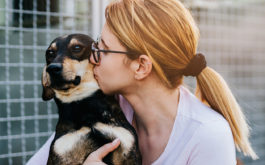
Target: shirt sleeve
point(41, 157)
point(214, 145)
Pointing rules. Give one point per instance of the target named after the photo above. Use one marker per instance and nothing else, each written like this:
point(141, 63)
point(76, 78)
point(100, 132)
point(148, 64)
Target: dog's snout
point(55, 68)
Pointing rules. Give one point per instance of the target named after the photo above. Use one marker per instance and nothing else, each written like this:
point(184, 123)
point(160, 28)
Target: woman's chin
point(107, 91)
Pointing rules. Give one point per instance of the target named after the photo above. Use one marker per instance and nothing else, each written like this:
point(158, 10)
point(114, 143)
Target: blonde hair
point(166, 32)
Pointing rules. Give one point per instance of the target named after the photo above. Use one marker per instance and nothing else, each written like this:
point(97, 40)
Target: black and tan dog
point(87, 117)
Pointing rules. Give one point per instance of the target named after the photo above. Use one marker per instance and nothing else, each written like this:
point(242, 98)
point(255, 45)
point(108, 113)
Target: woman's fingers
point(100, 153)
point(107, 148)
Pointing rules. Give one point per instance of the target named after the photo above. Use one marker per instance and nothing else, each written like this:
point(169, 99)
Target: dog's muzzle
point(55, 70)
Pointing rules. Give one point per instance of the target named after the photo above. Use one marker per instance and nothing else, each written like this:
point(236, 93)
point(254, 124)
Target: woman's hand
point(95, 158)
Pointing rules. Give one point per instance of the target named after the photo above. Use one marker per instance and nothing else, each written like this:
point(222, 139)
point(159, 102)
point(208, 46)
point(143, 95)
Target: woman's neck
point(155, 107)
point(155, 110)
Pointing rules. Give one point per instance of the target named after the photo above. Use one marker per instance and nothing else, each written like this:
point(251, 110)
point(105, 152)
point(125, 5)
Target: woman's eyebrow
point(104, 44)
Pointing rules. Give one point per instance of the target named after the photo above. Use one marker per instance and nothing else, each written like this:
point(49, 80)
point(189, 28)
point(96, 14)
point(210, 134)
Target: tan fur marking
point(73, 68)
point(67, 142)
point(53, 46)
point(117, 157)
point(74, 42)
point(125, 136)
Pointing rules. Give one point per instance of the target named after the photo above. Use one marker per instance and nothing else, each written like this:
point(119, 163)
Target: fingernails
point(116, 141)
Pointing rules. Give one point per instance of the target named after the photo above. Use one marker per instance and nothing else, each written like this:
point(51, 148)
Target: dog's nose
point(54, 68)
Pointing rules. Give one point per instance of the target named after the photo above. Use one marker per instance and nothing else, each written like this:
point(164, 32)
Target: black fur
point(85, 113)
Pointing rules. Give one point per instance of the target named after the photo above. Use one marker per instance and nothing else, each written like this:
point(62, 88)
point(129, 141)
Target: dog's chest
point(85, 126)
point(73, 147)
point(84, 136)
point(70, 141)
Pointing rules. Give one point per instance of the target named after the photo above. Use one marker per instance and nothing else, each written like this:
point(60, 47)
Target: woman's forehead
point(110, 40)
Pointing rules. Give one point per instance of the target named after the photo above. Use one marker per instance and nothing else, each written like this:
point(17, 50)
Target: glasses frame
point(96, 52)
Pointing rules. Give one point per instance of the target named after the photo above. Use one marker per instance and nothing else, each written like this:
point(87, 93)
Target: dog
point(88, 118)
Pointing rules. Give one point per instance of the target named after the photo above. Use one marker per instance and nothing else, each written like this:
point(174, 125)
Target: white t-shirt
point(200, 136)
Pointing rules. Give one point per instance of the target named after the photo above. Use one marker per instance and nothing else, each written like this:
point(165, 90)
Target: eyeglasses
point(96, 52)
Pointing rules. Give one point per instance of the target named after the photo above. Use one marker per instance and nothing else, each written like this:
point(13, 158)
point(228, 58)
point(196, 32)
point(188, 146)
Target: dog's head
point(68, 75)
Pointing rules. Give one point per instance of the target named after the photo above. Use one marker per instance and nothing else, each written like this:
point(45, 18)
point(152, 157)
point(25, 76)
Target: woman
point(157, 40)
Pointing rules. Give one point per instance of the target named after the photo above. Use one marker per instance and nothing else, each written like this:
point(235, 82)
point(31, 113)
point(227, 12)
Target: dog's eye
point(76, 48)
point(50, 53)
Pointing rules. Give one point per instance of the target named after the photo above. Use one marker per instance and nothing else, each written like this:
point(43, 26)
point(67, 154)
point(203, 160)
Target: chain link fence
point(232, 38)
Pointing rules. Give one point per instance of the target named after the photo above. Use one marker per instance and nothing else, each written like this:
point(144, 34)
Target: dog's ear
point(47, 91)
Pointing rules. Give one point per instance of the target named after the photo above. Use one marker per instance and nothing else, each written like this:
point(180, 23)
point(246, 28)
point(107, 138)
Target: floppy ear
point(47, 91)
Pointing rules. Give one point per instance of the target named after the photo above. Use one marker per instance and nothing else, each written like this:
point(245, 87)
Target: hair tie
point(195, 66)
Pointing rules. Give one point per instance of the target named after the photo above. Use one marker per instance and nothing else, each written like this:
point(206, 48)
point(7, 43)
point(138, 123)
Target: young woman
point(157, 40)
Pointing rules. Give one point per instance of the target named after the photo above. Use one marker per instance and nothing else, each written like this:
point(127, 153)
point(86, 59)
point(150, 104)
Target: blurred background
point(232, 38)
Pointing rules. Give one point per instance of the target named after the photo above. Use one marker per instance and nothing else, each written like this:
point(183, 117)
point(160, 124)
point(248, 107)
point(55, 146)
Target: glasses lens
point(94, 51)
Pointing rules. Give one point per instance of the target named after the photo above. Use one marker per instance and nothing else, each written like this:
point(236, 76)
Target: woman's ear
point(142, 67)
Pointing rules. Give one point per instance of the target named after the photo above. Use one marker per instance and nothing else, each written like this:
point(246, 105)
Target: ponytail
point(213, 90)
